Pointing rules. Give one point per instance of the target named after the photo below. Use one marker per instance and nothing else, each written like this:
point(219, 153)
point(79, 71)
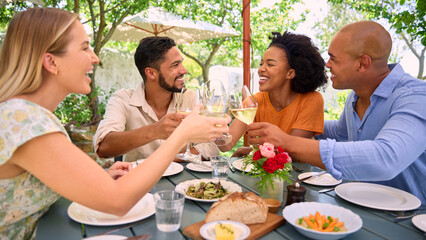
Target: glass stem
point(188, 148)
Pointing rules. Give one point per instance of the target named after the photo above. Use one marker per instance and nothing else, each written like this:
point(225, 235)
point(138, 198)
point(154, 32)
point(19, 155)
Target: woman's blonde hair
point(30, 35)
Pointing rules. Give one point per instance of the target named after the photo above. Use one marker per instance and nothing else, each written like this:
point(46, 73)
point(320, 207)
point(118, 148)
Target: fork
point(402, 215)
point(231, 167)
point(326, 190)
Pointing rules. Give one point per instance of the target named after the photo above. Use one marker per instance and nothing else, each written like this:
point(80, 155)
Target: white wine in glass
point(243, 105)
point(215, 104)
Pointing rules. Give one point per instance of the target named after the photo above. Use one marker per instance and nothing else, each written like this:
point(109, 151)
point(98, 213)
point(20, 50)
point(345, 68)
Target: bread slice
point(247, 208)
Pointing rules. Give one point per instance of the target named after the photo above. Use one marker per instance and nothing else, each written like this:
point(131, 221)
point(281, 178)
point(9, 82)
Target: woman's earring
point(56, 72)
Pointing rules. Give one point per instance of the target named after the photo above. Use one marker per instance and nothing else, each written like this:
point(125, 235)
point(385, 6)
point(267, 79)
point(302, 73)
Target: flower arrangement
point(268, 162)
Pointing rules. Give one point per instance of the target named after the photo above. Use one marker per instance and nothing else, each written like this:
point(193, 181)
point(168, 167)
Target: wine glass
point(243, 105)
point(186, 109)
point(215, 104)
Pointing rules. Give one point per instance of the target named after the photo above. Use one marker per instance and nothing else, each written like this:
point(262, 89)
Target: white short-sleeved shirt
point(128, 109)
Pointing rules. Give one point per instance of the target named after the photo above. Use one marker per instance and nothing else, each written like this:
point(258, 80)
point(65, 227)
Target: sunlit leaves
point(407, 16)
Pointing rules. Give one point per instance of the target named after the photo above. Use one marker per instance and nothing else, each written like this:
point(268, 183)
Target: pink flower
point(267, 150)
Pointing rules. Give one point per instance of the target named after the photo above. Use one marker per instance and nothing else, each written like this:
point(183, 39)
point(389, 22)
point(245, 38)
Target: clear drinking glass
point(168, 210)
point(184, 108)
point(220, 167)
point(215, 104)
point(243, 105)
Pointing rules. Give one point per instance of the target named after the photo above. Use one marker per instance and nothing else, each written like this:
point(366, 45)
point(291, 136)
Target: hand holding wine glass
point(186, 109)
point(243, 105)
point(215, 104)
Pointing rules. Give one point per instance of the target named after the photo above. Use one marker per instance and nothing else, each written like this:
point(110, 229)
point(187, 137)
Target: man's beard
point(166, 86)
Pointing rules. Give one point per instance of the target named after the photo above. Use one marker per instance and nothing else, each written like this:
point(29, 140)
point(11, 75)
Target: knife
point(112, 231)
point(312, 176)
point(200, 164)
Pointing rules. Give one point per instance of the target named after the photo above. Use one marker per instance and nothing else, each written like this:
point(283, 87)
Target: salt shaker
point(295, 193)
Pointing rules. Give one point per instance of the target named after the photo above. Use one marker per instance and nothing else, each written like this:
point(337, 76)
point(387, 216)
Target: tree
point(407, 17)
point(227, 51)
point(103, 17)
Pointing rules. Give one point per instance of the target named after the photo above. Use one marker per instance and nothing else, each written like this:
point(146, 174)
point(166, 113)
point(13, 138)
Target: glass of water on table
point(220, 167)
point(168, 210)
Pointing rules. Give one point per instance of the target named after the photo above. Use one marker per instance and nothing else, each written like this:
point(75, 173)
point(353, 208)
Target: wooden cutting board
point(256, 230)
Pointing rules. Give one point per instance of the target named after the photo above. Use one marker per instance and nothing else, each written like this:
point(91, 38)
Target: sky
point(318, 10)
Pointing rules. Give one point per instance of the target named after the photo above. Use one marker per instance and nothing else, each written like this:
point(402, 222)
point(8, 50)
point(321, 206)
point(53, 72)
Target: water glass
point(220, 167)
point(168, 210)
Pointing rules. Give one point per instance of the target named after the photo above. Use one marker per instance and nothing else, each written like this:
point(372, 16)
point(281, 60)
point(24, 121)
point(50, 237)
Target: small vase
point(276, 193)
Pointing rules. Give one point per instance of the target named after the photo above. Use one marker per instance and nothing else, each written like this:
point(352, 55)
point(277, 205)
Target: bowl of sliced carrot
point(322, 220)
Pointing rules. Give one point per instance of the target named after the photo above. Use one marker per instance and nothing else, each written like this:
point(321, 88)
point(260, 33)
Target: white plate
point(295, 211)
point(183, 187)
point(420, 221)
point(107, 237)
point(322, 180)
point(198, 168)
point(241, 231)
point(377, 196)
point(174, 168)
point(143, 209)
point(238, 164)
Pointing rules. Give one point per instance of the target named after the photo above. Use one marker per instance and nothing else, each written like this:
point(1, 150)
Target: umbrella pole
point(246, 49)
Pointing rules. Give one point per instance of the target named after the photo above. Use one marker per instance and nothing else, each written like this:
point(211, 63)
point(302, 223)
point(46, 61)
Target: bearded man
point(137, 121)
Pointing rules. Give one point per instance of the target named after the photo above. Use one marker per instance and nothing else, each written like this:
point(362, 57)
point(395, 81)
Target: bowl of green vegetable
point(207, 190)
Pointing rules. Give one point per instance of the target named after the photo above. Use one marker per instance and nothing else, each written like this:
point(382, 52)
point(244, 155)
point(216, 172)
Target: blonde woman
point(45, 56)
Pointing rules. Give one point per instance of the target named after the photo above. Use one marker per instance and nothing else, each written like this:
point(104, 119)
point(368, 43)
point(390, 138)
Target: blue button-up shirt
point(388, 146)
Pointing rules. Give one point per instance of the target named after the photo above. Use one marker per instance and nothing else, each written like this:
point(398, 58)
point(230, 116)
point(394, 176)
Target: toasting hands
point(167, 124)
point(261, 132)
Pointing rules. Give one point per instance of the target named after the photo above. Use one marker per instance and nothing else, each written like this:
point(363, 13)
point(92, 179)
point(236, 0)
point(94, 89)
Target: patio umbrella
point(157, 22)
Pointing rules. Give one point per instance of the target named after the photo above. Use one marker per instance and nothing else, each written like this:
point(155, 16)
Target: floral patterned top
point(23, 199)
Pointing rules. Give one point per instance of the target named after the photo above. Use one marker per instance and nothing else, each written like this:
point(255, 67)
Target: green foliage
point(227, 51)
point(7, 11)
point(407, 16)
point(75, 107)
point(334, 113)
point(259, 170)
point(271, 19)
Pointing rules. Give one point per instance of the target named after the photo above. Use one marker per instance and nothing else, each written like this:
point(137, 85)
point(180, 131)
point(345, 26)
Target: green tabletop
point(377, 224)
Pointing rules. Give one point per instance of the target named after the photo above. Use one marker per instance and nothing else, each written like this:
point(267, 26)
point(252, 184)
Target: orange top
point(306, 112)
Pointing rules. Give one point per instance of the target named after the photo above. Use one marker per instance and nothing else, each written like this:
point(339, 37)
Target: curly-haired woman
point(290, 71)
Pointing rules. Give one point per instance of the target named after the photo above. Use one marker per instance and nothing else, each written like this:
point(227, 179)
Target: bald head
point(366, 38)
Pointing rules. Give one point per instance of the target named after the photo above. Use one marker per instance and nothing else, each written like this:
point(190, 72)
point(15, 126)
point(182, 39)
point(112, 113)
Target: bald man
point(381, 135)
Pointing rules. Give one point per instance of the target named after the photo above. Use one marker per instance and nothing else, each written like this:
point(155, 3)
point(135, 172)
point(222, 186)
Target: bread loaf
point(247, 208)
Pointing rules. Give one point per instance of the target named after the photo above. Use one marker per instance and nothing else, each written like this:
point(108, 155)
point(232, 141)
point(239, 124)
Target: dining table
point(377, 224)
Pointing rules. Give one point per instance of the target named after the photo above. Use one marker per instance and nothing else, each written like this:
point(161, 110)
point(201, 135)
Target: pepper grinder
point(295, 193)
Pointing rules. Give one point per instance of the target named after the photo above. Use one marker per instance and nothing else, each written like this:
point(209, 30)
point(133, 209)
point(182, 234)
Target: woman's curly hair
point(304, 58)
